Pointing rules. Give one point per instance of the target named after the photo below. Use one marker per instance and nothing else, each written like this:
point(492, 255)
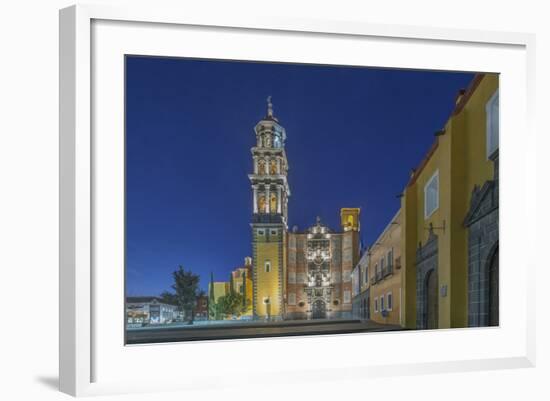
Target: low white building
point(149, 310)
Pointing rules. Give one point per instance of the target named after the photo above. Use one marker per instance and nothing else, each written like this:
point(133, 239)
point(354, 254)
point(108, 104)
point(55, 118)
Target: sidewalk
point(253, 329)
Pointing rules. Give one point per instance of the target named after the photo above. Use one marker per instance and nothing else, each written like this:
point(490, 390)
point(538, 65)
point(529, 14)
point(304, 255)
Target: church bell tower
point(269, 217)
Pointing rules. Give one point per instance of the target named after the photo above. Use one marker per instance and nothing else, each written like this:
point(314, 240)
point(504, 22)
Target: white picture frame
point(89, 360)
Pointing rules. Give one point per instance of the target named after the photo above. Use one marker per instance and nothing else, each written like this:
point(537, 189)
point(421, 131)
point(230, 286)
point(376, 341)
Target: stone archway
point(432, 301)
point(319, 309)
point(493, 290)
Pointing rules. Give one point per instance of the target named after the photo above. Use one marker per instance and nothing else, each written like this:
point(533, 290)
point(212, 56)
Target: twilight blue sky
point(353, 134)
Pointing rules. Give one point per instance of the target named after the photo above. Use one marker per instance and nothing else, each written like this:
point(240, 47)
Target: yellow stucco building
point(270, 191)
point(385, 273)
point(242, 284)
point(449, 213)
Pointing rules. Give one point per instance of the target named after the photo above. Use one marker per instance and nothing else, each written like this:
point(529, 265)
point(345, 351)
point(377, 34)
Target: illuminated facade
point(320, 262)
point(269, 219)
point(294, 275)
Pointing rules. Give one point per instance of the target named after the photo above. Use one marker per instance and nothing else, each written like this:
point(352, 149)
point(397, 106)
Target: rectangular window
point(390, 300)
point(492, 122)
point(261, 232)
point(273, 232)
point(382, 303)
point(390, 259)
point(431, 195)
point(346, 277)
point(347, 255)
point(375, 305)
point(267, 266)
point(292, 277)
point(347, 297)
point(382, 266)
point(292, 298)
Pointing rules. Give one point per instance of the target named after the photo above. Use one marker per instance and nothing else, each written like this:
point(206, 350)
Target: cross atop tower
point(269, 107)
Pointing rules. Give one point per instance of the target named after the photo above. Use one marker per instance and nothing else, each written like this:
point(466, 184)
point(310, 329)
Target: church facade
point(295, 275)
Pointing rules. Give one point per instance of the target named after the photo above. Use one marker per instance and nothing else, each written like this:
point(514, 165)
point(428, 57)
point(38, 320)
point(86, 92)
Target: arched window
point(261, 204)
point(273, 202)
point(273, 166)
point(261, 167)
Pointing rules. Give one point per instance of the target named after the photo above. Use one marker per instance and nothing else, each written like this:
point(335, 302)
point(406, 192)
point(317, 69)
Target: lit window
point(267, 266)
point(390, 301)
point(492, 121)
point(431, 195)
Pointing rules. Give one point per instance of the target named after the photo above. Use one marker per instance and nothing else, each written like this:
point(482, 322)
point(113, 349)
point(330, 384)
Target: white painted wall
point(29, 195)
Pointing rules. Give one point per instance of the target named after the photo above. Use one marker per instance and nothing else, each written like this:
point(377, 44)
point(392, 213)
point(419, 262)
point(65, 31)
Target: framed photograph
point(299, 197)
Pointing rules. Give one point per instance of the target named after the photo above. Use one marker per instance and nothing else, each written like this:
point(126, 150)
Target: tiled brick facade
point(483, 230)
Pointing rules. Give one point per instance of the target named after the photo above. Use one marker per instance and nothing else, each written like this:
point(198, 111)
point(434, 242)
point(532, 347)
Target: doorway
point(319, 309)
point(432, 301)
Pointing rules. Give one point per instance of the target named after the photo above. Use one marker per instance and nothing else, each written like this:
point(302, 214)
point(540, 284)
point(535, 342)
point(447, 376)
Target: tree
point(231, 283)
point(244, 289)
point(212, 309)
point(231, 304)
point(169, 298)
point(186, 287)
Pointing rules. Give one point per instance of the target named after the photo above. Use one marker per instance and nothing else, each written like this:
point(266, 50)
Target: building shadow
point(51, 382)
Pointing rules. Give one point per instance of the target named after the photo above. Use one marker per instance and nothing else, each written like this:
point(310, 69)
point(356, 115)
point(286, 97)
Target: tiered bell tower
point(269, 217)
